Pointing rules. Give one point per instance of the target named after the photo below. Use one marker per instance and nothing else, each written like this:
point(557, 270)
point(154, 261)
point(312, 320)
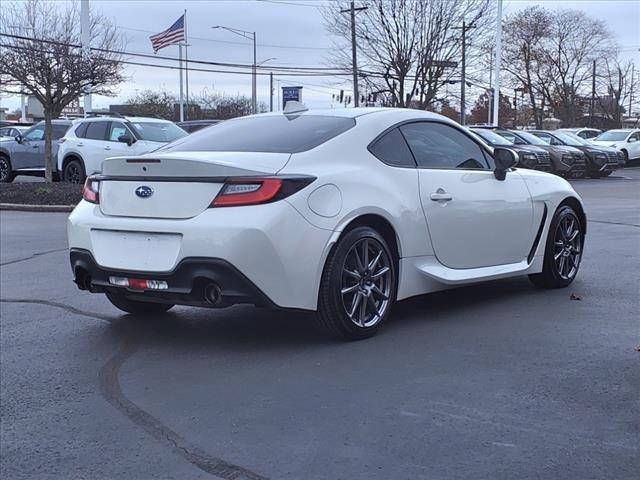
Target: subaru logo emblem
point(144, 192)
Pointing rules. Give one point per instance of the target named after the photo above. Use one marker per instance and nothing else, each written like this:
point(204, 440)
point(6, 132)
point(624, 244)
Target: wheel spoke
point(350, 289)
point(561, 266)
point(379, 292)
point(573, 235)
point(558, 255)
point(380, 273)
point(365, 253)
point(372, 302)
point(354, 304)
point(374, 263)
point(359, 264)
point(352, 274)
point(363, 310)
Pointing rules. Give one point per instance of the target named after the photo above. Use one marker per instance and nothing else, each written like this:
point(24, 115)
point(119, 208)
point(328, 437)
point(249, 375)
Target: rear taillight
point(91, 190)
point(255, 191)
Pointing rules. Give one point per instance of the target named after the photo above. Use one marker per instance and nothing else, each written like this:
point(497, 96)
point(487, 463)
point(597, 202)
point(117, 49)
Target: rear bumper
point(187, 282)
point(271, 245)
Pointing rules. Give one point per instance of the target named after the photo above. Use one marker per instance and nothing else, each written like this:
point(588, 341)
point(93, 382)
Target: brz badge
point(144, 192)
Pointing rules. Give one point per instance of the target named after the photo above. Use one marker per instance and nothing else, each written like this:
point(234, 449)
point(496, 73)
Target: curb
point(36, 208)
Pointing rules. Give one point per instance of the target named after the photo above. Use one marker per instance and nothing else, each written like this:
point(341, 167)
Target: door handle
point(441, 196)
point(80, 144)
point(107, 147)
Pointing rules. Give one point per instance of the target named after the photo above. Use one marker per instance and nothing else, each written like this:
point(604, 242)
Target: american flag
point(174, 34)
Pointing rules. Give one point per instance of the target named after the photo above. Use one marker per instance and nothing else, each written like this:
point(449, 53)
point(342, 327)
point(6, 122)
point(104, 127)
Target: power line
point(281, 69)
point(231, 42)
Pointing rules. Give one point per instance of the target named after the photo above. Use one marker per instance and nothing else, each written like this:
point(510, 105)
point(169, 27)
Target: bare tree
point(617, 80)
point(402, 45)
point(525, 33)
point(220, 105)
point(42, 57)
point(480, 110)
point(550, 54)
point(149, 103)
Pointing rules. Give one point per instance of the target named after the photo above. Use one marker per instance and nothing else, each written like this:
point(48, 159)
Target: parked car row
point(80, 146)
point(568, 153)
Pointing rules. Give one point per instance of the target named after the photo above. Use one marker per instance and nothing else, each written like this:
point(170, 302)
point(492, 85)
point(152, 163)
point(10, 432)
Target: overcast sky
point(291, 31)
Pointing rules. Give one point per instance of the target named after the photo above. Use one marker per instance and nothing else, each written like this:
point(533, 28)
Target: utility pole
point(254, 97)
point(498, 59)
point(186, 64)
point(354, 60)
point(633, 67)
point(181, 85)
point(463, 81)
point(271, 91)
point(593, 95)
point(85, 38)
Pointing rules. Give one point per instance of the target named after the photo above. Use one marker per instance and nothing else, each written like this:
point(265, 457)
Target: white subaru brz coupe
point(340, 211)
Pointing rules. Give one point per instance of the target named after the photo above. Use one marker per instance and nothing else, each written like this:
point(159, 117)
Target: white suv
point(91, 140)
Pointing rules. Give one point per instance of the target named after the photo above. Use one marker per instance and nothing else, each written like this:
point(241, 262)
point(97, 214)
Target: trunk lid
point(176, 185)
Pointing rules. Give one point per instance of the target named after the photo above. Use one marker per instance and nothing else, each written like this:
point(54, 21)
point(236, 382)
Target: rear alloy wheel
point(74, 172)
point(563, 251)
point(358, 285)
point(6, 174)
point(137, 307)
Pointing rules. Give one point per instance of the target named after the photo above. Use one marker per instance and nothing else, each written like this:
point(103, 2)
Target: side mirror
point(126, 139)
point(18, 138)
point(504, 158)
point(631, 140)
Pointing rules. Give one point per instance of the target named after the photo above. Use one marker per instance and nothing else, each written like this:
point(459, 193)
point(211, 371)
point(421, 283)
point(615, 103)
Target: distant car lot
point(499, 380)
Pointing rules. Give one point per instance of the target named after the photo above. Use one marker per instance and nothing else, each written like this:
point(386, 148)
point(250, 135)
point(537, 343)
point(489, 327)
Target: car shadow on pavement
point(263, 328)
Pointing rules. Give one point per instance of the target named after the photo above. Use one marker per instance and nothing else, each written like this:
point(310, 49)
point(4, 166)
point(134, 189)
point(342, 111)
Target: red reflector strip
point(269, 188)
point(138, 284)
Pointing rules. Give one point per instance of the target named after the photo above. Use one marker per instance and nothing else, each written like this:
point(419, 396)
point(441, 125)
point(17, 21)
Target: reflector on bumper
point(139, 283)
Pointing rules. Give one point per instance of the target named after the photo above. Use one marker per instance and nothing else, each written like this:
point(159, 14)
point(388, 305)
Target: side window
point(117, 130)
point(635, 136)
point(97, 130)
point(36, 134)
point(81, 130)
point(5, 132)
point(545, 138)
point(58, 131)
point(435, 145)
point(392, 149)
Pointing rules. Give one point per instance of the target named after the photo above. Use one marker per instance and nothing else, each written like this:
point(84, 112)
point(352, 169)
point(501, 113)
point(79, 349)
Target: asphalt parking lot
point(495, 381)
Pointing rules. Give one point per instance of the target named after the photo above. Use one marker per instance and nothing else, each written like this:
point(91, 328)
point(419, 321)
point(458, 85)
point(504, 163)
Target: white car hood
point(605, 143)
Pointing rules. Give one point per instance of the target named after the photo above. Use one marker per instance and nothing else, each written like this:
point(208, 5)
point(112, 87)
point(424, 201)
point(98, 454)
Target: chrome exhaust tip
point(212, 294)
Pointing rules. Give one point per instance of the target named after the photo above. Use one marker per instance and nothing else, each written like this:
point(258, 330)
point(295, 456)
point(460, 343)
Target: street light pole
point(254, 73)
point(254, 99)
point(354, 59)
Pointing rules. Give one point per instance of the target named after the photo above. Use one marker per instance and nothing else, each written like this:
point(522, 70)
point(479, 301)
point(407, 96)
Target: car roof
point(108, 118)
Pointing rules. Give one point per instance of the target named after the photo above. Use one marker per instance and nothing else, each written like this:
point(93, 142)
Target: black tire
point(74, 172)
point(6, 173)
point(137, 307)
point(626, 156)
point(374, 284)
point(561, 271)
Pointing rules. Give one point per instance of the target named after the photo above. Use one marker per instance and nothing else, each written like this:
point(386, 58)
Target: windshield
point(270, 133)
point(491, 137)
point(612, 136)
point(568, 137)
point(158, 131)
point(532, 139)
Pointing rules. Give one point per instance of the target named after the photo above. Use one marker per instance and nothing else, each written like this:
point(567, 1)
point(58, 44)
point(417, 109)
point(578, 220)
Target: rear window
point(272, 134)
point(163, 132)
point(58, 131)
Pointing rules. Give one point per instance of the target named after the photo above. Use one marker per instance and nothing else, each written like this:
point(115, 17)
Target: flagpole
point(181, 90)
point(186, 62)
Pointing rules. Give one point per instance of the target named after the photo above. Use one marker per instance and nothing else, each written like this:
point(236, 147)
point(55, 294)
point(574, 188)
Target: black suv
point(601, 161)
point(529, 156)
point(568, 162)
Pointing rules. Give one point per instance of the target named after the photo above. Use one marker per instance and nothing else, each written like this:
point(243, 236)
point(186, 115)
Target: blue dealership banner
point(291, 93)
